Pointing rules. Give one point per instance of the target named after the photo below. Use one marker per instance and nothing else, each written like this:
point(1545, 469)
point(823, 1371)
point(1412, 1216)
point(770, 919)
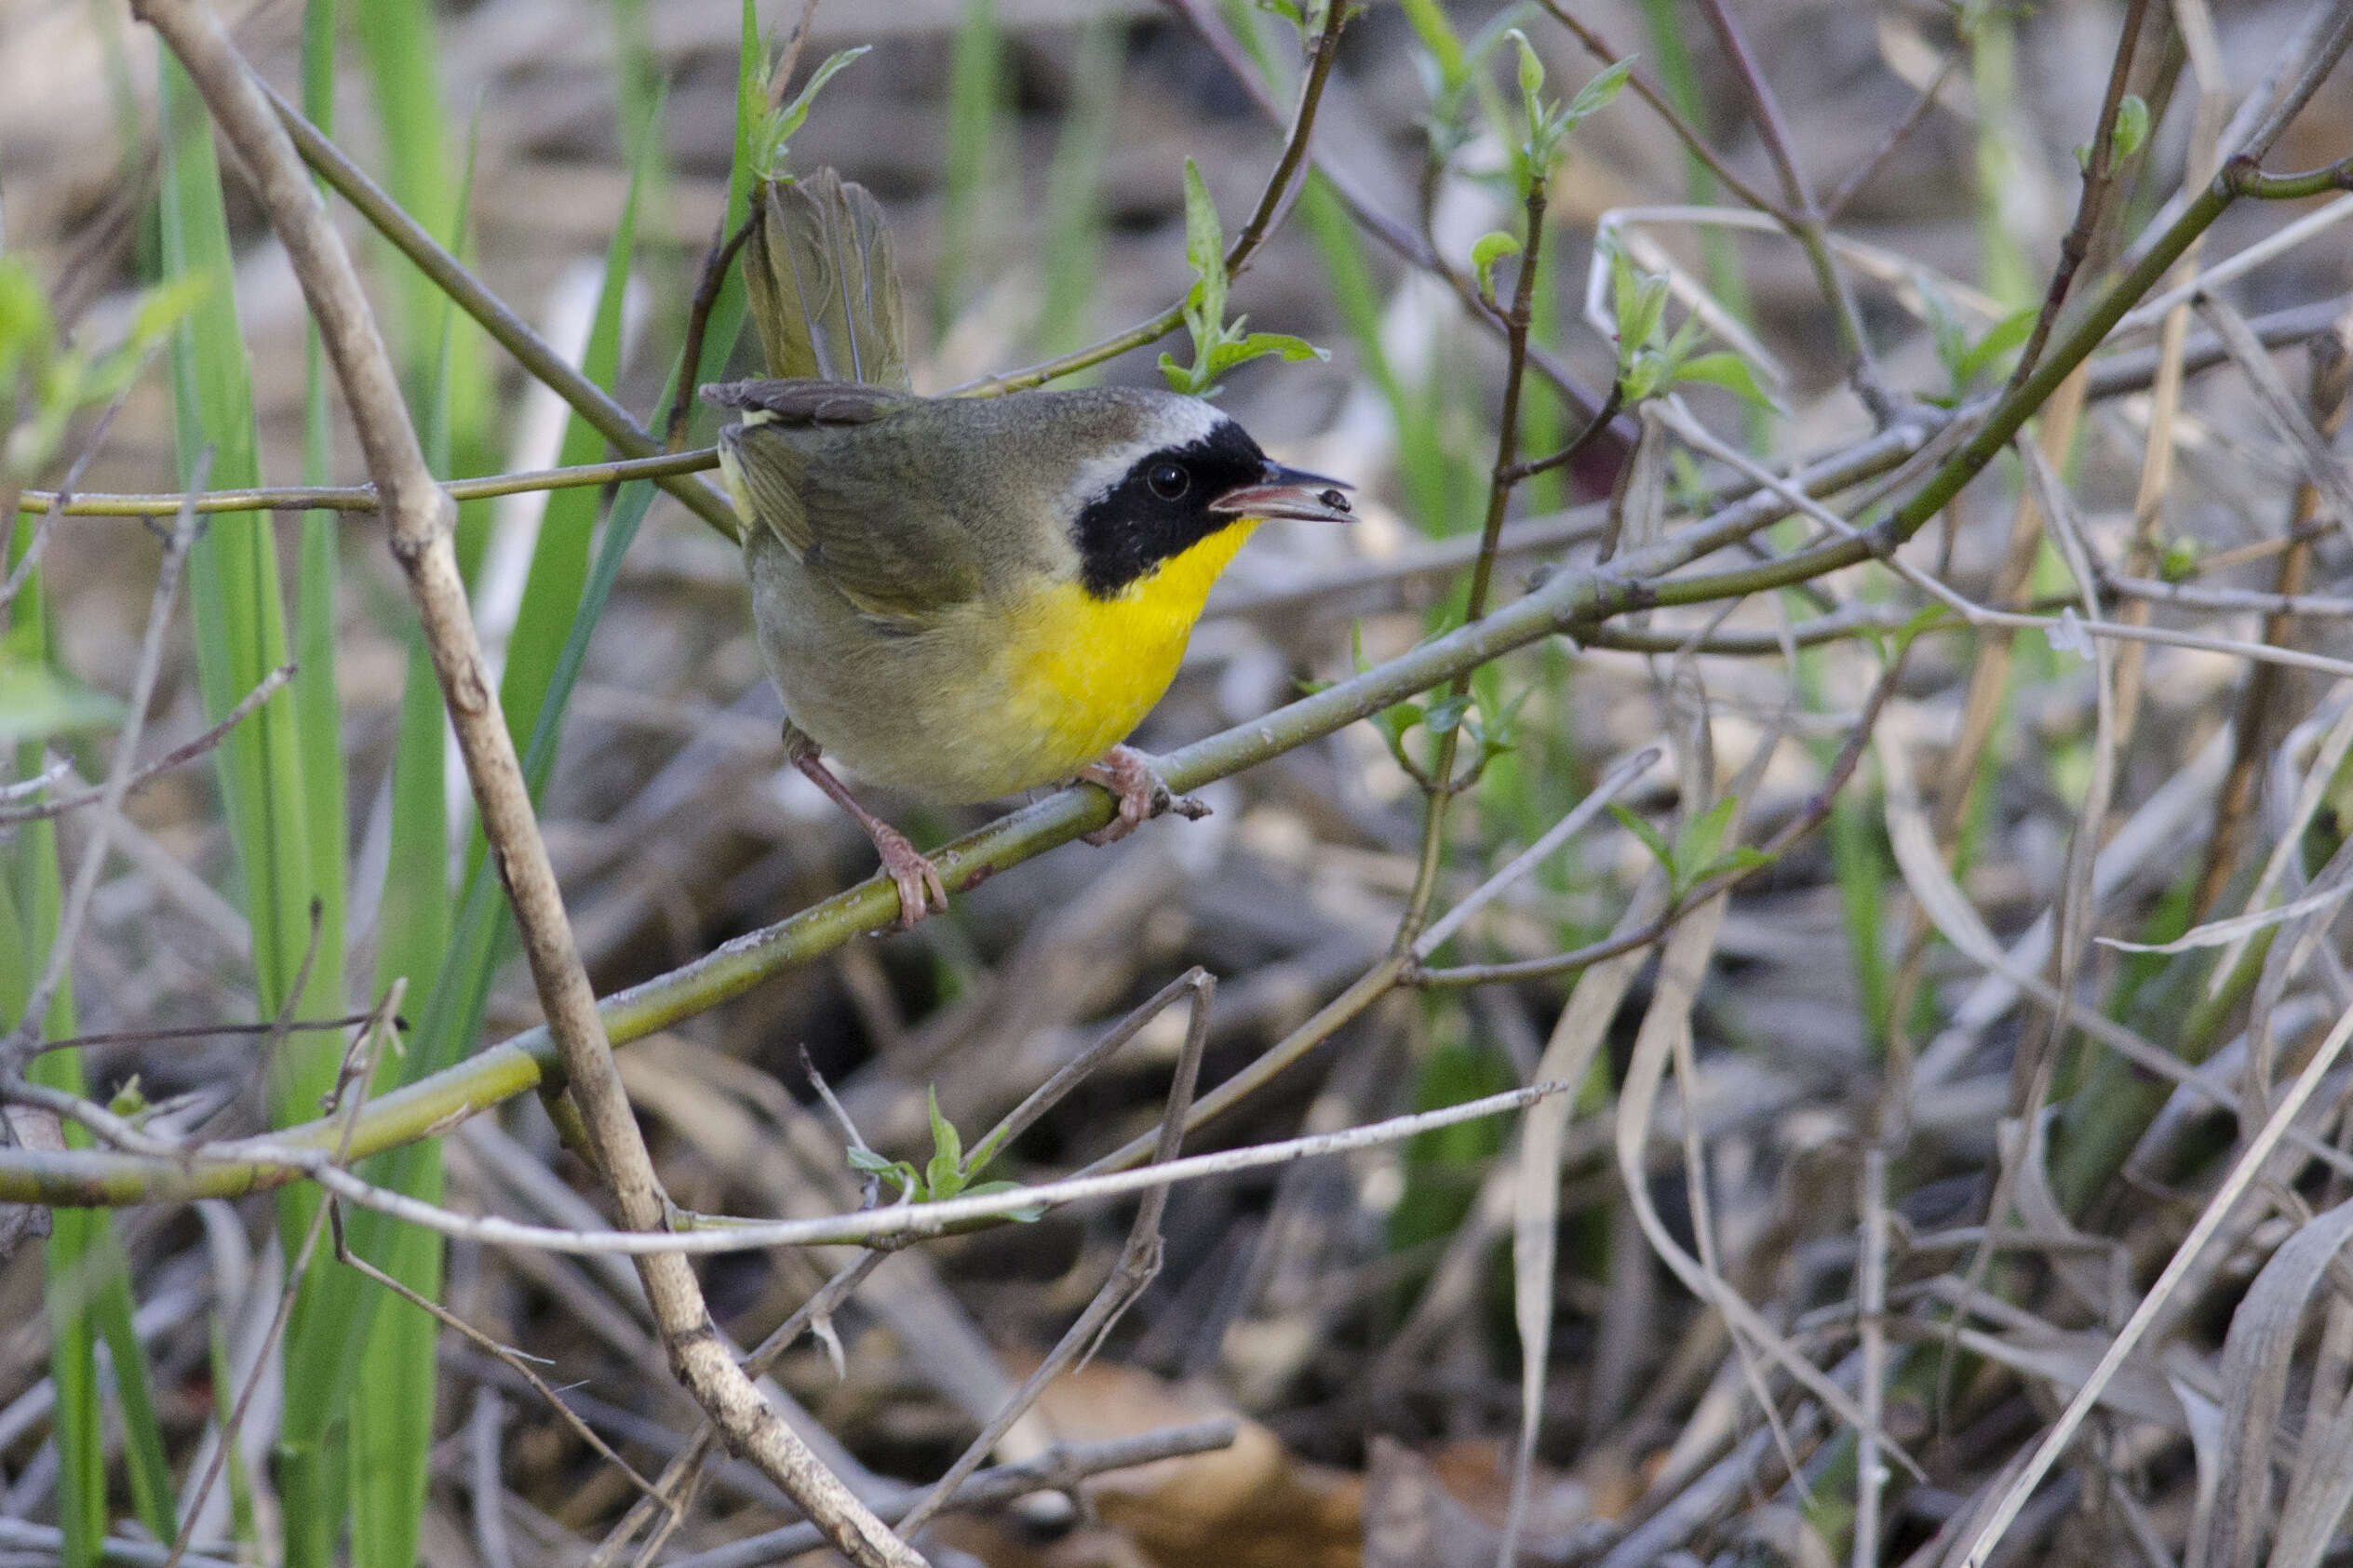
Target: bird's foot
point(1141, 792)
point(920, 889)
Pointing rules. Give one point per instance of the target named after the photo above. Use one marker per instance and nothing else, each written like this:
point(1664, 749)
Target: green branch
point(362, 498)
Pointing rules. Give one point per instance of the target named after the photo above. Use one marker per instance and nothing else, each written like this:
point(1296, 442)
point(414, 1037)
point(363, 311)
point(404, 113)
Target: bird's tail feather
point(823, 284)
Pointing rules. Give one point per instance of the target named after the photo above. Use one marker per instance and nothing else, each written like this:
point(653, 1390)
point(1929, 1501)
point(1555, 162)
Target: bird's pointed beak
point(1288, 492)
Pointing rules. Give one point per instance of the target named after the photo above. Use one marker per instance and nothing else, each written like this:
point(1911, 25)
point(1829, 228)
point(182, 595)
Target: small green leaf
point(1204, 244)
point(776, 127)
point(1595, 95)
point(2131, 127)
point(1728, 370)
point(1394, 722)
point(1028, 1214)
point(2180, 561)
point(1226, 356)
point(162, 308)
point(129, 1100)
point(1446, 714)
point(1491, 248)
point(1531, 71)
point(26, 335)
point(2001, 338)
point(946, 1142)
point(1743, 857)
point(36, 702)
point(867, 1161)
point(1651, 835)
point(1703, 836)
point(1642, 378)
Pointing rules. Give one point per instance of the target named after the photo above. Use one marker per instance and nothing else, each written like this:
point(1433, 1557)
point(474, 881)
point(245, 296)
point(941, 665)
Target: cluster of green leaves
point(947, 1173)
point(1698, 851)
point(48, 382)
point(1488, 721)
point(1650, 361)
point(772, 129)
point(1548, 124)
point(1218, 344)
point(1450, 67)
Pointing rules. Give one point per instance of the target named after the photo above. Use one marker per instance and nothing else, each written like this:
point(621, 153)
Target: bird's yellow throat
point(1083, 672)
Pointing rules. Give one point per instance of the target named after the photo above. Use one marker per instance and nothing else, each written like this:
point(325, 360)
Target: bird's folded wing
point(863, 529)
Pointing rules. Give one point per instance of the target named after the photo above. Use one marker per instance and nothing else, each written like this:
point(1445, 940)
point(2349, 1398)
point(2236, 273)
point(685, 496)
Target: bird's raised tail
point(824, 286)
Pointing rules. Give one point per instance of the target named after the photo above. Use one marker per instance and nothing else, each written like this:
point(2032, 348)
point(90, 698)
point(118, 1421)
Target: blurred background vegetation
point(1860, 1088)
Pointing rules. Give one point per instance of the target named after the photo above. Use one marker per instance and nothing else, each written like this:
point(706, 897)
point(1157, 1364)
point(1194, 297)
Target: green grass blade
point(559, 561)
point(87, 1295)
point(238, 616)
point(319, 709)
point(452, 1017)
point(975, 90)
point(336, 1343)
point(239, 624)
point(397, 45)
point(392, 1407)
point(388, 1390)
point(77, 1426)
point(243, 1527)
point(1074, 191)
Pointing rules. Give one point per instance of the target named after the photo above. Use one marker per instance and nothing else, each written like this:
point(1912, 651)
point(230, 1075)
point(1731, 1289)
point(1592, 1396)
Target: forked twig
point(680, 1475)
point(1138, 1264)
point(512, 1359)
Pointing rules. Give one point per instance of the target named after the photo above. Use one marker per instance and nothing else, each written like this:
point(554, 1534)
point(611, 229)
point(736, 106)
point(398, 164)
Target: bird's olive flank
point(1163, 506)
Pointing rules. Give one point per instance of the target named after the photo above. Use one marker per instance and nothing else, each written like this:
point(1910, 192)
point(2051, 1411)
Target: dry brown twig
point(506, 1355)
point(680, 1479)
point(421, 518)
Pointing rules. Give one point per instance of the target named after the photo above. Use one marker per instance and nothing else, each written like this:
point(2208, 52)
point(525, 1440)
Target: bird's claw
point(920, 889)
point(1141, 793)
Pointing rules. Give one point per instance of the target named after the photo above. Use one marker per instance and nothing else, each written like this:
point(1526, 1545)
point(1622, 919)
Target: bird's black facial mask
point(1163, 506)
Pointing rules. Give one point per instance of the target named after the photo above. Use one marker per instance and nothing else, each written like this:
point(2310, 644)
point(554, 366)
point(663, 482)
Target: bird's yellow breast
point(1082, 672)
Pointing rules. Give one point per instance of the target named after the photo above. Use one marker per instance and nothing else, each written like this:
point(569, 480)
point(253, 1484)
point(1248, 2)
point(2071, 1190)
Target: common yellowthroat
point(965, 598)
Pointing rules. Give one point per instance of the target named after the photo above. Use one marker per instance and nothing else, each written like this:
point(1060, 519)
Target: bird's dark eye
point(1168, 480)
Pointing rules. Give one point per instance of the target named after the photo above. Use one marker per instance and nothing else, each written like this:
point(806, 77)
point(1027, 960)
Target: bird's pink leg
point(920, 889)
